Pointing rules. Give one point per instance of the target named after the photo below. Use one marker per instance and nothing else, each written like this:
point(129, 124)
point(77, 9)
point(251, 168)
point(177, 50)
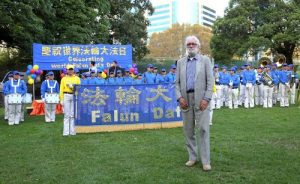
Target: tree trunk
point(287, 50)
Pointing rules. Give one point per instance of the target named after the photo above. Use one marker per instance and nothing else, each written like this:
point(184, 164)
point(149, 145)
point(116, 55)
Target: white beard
point(192, 51)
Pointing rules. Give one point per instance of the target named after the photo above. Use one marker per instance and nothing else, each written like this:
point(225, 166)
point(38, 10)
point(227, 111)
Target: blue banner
point(56, 57)
point(126, 104)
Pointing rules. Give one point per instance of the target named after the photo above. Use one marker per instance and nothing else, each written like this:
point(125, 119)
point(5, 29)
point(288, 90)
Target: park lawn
point(247, 146)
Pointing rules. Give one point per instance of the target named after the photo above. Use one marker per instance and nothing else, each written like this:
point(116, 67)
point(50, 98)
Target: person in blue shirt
point(139, 79)
point(216, 98)
point(119, 79)
point(16, 88)
point(224, 82)
point(242, 86)
point(111, 79)
point(10, 77)
point(84, 78)
point(148, 76)
point(294, 79)
point(171, 76)
point(161, 78)
point(77, 72)
point(93, 79)
point(275, 72)
point(127, 78)
point(101, 80)
point(268, 83)
point(233, 89)
point(249, 81)
point(49, 87)
point(284, 85)
point(259, 87)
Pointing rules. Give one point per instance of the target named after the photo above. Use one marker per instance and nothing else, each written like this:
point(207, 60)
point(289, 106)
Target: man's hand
point(183, 104)
point(203, 105)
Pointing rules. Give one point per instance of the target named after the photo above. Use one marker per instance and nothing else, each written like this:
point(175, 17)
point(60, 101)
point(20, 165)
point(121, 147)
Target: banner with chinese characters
point(126, 107)
point(56, 57)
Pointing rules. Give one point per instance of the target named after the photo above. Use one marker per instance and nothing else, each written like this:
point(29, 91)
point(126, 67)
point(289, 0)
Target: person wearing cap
point(193, 88)
point(294, 80)
point(49, 86)
point(216, 98)
point(111, 79)
point(284, 85)
point(171, 76)
point(15, 86)
point(268, 85)
point(242, 86)
point(139, 79)
point(127, 78)
point(101, 80)
point(84, 78)
point(93, 80)
point(148, 76)
point(160, 78)
point(233, 89)
point(5, 92)
point(275, 72)
point(67, 99)
point(77, 72)
point(249, 81)
point(259, 87)
point(224, 82)
point(119, 79)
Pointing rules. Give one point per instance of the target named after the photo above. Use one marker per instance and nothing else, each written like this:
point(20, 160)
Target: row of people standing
point(249, 87)
point(151, 76)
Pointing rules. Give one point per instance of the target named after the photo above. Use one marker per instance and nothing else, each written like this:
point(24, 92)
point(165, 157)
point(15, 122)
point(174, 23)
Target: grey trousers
point(196, 131)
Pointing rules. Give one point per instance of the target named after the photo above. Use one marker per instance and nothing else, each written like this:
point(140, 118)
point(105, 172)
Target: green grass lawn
point(247, 146)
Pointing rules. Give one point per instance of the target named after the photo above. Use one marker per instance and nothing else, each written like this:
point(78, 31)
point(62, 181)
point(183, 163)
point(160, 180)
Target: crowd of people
point(247, 86)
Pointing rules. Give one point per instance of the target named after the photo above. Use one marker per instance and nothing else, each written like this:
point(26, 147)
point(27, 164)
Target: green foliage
point(251, 25)
point(128, 24)
point(72, 21)
point(252, 146)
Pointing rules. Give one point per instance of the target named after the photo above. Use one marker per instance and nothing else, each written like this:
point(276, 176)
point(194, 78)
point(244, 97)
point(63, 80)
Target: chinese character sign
point(125, 104)
point(56, 57)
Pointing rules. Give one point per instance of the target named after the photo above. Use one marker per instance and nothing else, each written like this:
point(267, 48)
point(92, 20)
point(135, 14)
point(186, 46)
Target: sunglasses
point(191, 44)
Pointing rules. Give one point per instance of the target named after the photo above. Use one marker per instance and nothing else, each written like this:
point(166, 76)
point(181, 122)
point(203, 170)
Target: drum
point(52, 98)
point(14, 98)
point(27, 98)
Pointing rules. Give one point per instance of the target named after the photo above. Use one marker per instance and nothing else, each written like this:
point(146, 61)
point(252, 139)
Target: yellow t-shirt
point(66, 85)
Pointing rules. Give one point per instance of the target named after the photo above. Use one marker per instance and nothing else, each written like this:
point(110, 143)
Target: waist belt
point(235, 87)
point(190, 91)
point(68, 93)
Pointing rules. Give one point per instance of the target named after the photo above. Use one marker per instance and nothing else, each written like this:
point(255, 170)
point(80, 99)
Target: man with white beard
point(194, 85)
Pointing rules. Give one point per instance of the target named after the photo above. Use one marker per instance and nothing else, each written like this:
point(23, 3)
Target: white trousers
point(22, 112)
point(233, 98)
point(249, 99)
point(14, 113)
point(69, 126)
point(293, 94)
point(242, 94)
point(276, 94)
point(50, 110)
point(216, 98)
point(284, 96)
point(268, 96)
point(259, 94)
point(224, 95)
point(6, 107)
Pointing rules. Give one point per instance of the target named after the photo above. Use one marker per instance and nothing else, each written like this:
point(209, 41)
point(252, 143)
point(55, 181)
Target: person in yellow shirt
point(67, 99)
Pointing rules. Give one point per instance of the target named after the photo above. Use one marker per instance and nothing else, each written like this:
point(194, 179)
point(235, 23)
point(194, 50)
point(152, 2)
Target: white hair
point(194, 38)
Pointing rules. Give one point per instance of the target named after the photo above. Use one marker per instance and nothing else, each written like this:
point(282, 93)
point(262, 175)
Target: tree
point(257, 25)
point(52, 22)
point(170, 43)
point(129, 25)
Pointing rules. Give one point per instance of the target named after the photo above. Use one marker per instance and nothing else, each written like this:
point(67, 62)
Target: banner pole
point(33, 91)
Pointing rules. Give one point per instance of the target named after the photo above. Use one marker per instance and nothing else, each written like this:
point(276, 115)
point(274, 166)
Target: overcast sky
point(218, 5)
